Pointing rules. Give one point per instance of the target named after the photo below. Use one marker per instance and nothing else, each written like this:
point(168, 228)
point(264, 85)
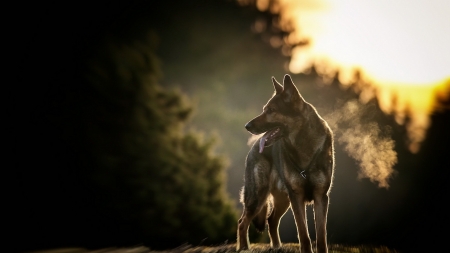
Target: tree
point(120, 168)
point(166, 185)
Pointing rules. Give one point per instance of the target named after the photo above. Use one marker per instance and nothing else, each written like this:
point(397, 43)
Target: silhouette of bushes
point(118, 167)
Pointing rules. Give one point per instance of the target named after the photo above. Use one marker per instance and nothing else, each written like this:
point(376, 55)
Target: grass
point(230, 248)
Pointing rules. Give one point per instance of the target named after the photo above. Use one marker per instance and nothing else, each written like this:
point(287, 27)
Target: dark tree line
point(102, 154)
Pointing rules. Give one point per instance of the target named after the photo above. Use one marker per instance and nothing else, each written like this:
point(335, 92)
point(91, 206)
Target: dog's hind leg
point(281, 204)
point(254, 199)
point(242, 233)
point(248, 215)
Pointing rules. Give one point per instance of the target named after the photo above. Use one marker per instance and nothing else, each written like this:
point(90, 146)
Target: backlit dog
point(291, 165)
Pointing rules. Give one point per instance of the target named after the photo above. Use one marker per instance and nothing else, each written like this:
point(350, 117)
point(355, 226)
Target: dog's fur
point(291, 167)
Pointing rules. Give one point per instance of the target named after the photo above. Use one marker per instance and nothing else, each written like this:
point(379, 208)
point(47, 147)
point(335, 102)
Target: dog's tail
point(260, 219)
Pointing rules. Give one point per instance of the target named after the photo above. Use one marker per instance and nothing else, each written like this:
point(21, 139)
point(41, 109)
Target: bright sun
point(393, 41)
point(400, 46)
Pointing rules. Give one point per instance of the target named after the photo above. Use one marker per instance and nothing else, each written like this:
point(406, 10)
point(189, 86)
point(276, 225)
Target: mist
point(364, 140)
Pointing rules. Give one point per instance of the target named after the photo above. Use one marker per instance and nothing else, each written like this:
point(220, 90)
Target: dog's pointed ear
point(278, 87)
point(290, 91)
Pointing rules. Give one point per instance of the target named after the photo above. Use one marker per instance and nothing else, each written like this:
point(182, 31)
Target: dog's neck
point(303, 140)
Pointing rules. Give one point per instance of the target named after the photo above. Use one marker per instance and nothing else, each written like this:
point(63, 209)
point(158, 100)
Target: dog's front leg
point(298, 206)
point(320, 216)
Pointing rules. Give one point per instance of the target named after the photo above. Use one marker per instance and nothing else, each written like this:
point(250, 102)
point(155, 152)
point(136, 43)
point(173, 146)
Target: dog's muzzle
point(249, 126)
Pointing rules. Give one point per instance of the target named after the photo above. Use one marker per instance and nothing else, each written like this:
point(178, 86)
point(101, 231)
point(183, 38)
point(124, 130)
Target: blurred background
point(128, 118)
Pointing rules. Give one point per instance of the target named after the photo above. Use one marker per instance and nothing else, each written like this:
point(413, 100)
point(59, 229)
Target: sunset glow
point(401, 47)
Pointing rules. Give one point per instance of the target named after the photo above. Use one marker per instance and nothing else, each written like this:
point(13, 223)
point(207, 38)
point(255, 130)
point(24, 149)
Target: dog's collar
point(296, 166)
point(303, 174)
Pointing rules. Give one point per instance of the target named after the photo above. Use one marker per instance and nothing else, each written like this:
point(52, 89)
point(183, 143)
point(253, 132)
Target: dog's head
point(280, 114)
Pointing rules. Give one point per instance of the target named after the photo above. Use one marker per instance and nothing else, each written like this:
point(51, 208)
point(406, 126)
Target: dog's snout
point(248, 126)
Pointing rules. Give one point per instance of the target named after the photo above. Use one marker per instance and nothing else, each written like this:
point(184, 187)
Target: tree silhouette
point(121, 168)
point(172, 180)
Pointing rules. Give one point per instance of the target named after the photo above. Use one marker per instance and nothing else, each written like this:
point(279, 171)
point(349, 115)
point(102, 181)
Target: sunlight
point(400, 46)
point(392, 41)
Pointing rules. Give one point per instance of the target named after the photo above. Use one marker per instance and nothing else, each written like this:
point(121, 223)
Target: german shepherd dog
point(292, 165)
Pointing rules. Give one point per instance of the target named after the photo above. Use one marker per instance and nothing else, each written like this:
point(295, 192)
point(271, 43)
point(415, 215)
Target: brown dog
point(292, 165)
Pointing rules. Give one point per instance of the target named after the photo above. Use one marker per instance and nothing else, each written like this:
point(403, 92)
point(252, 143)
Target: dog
point(291, 165)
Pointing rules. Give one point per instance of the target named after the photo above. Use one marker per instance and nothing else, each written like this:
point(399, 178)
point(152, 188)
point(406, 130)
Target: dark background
point(207, 50)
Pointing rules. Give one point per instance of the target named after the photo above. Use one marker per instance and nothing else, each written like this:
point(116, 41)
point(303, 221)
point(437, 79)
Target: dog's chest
point(286, 178)
point(276, 182)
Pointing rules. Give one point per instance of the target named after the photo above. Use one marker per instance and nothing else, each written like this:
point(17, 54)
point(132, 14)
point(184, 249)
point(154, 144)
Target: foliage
point(119, 166)
point(166, 183)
